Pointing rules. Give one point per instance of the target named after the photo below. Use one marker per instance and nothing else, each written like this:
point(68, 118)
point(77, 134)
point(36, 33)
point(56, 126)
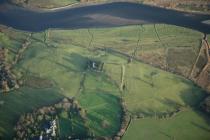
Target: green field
point(104, 112)
point(155, 44)
point(74, 126)
point(55, 66)
point(151, 91)
point(190, 124)
point(59, 65)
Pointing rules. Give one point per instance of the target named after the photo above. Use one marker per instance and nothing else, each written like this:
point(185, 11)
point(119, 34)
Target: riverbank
point(202, 7)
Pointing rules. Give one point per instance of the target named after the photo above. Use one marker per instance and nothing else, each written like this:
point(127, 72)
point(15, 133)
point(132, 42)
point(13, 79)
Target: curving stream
point(102, 15)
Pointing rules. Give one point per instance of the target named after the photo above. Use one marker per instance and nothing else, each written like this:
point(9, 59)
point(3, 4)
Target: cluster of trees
point(2, 55)
point(34, 125)
point(6, 80)
point(163, 115)
point(160, 115)
point(205, 105)
point(125, 121)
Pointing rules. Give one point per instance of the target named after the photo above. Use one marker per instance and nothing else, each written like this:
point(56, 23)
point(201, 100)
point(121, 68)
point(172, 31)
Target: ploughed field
point(57, 64)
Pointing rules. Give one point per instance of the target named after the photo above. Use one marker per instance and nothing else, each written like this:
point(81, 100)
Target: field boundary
point(207, 48)
point(91, 39)
point(196, 61)
point(122, 77)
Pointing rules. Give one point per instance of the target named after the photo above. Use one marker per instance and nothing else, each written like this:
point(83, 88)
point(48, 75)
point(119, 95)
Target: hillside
point(104, 81)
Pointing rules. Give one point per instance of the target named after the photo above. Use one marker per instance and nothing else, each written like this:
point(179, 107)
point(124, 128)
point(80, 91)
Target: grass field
point(103, 112)
point(151, 91)
point(190, 124)
point(100, 97)
point(58, 59)
point(155, 44)
point(60, 65)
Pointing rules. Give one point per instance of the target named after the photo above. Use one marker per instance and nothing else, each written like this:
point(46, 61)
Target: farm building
point(95, 65)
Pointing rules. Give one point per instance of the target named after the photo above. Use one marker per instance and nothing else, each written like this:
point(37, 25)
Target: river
point(102, 15)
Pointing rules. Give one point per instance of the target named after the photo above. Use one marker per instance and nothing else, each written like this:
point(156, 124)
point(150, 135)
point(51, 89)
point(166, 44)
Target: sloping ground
point(58, 58)
point(61, 68)
point(150, 91)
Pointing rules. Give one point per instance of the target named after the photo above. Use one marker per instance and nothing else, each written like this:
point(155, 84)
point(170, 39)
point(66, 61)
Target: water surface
point(103, 15)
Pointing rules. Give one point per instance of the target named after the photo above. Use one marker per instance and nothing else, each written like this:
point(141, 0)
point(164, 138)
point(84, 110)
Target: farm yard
point(55, 65)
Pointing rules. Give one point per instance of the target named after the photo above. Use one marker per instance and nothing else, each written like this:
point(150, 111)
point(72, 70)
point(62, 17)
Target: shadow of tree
point(192, 98)
point(146, 82)
point(170, 103)
point(78, 61)
point(75, 63)
point(165, 134)
point(68, 68)
point(200, 126)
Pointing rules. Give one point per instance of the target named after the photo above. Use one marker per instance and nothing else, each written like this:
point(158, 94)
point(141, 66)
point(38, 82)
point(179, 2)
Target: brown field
point(37, 82)
point(180, 60)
